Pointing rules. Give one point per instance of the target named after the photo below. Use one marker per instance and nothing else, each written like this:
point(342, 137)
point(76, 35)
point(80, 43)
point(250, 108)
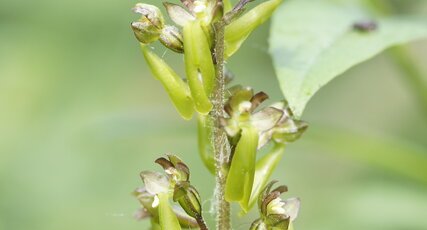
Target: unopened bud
point(144, 32)
point(188, 198)
point(172, 38)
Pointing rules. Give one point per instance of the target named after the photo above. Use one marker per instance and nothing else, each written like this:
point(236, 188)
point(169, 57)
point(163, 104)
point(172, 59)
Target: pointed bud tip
point(172, 38)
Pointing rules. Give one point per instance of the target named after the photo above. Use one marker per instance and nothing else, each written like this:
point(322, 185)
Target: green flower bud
point(238, 30)
point(177, 89)
point(188, 198)
point(144, 32)
point(242, 170)
point(172, 38)
point(199, 66)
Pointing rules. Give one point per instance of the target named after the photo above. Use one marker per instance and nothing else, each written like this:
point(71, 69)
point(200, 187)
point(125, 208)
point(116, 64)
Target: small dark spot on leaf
point(365, 26)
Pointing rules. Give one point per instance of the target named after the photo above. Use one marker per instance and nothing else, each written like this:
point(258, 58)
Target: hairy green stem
point(219, 138)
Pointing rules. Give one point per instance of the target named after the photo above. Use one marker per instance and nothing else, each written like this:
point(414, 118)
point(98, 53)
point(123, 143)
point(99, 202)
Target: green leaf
point(242, 170)
point(314, 41)
point(168, 219)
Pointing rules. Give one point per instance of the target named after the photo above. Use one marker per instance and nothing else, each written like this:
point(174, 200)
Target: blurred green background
point(81, 116)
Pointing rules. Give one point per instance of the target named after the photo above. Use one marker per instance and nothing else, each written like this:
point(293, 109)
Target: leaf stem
point(219, 138)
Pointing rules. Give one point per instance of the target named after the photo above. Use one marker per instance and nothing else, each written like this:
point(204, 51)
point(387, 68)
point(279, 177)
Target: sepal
point(178, 14)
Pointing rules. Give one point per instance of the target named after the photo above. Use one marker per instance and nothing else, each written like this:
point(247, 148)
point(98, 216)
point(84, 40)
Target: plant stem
point(219, 138)
point(201, 222)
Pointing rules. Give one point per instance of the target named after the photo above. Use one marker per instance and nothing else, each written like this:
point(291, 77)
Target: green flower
point(159, 188)
point(275, 122)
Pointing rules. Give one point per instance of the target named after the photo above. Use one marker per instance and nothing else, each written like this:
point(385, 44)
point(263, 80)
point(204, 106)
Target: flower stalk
point(219, 137)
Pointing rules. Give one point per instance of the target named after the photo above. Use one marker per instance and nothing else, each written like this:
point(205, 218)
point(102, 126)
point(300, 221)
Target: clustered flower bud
point(275, 212)
point(151, 27)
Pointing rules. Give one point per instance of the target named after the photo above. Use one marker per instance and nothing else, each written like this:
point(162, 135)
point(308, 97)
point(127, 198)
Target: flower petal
point(155, 182)
point(178, 14)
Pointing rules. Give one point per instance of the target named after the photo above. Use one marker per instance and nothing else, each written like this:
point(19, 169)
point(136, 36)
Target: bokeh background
point(81, 116)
